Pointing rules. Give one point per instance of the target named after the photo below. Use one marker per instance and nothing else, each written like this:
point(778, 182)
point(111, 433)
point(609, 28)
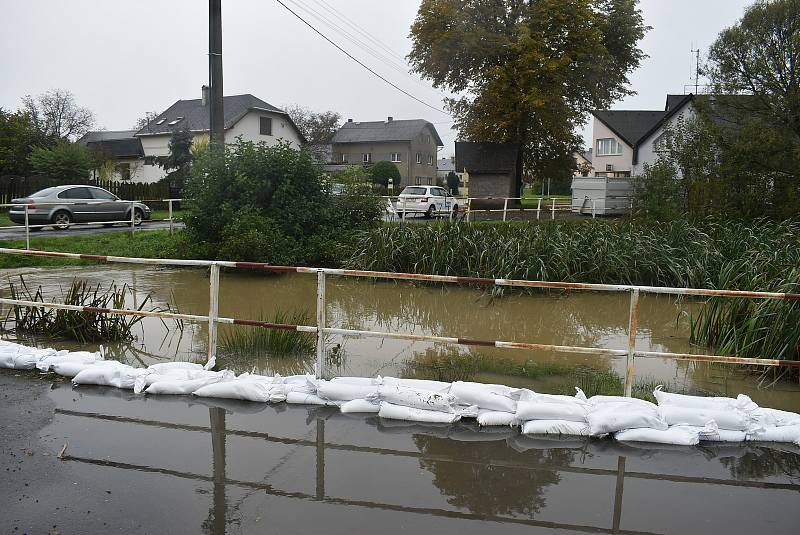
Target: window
point(366, 157)
point(103, 195)
point(161, 121)
point(430, 159)
point(124, 170)
point(659, 143)
point(419, 157)
point(608, 147)
point(75, 193)
point(265, 126)
point(429, 180)
point(44, 193)
point(411, 190)
point(396, 158)
point(344, 158)
point(176, 121)
point(438, 192)
point(418, 180)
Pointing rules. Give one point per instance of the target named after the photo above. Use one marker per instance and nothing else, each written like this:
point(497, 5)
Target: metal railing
point(631, 353)
point(27, 207)
point(398, 206)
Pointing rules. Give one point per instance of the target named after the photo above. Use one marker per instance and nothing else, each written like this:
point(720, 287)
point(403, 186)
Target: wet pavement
point(136, 464)
point(18, 233)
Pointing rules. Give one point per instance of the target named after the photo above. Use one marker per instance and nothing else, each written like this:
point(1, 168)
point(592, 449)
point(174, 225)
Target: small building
point(492, 168)
point(119, 146)
point(583, 163)
point(411, 145)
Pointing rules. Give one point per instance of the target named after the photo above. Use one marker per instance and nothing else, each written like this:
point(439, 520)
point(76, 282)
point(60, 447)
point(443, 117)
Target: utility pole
point(216, 110)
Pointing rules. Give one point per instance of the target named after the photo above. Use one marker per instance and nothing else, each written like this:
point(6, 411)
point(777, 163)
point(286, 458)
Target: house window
point(418, 180)
point(659, 143)
point(430, 159)
point(608, 147)
point(176, 121)
point(344, 158)
point(396, 157)
point(124, 170)
point(265, 126)
point(419, 157)
point(366, 157)
point(429, 180)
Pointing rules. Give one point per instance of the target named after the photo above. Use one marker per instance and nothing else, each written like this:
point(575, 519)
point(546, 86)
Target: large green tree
point(528, 71)
point(56, 113)
point(18, 137)
point(65, 161)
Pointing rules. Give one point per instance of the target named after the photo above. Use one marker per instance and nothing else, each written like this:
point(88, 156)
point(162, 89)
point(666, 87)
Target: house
point(121, 147)
point(445, 166)
point(411, 145)
point(583, 163)
point(492, 168)
point(246, 117)
point(625, 140)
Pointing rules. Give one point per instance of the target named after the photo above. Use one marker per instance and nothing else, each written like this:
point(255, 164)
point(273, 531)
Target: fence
point(400, 207)
point(17, 187)
point(213, 319)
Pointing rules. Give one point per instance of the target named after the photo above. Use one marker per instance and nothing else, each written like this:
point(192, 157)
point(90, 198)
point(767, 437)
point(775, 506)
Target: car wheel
point(138, 217)
point(429, 213)
point(62, 220)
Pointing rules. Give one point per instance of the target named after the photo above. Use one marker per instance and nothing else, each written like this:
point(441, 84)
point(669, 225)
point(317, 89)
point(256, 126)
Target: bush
point(64, 161)
point(658, 193)
point(271, 204)
point(382, 171)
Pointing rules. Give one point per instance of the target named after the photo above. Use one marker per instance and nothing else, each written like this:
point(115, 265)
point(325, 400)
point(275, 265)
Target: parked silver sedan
point(62, 206)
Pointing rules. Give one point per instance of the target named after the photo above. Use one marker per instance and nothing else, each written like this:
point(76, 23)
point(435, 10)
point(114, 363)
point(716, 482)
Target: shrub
point(382, 171)
point(65, 161)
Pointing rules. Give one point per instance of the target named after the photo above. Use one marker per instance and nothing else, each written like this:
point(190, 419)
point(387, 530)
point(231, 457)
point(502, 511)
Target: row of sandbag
point(677, 419)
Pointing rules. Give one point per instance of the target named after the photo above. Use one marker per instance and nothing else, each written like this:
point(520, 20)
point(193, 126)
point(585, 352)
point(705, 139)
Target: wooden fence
point(14, 187)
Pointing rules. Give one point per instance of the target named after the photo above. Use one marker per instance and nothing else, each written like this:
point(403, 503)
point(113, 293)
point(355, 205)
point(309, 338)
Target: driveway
point(13, 233)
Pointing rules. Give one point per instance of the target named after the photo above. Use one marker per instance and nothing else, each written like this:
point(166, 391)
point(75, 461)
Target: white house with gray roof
point(411, 145)
point(246, 116)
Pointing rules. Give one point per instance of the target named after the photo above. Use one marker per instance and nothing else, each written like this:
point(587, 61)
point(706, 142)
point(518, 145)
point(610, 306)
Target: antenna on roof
point(696, 52)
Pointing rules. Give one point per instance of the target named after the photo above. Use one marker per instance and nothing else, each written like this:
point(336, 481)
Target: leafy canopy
point(65, 161)
point(382, 171)
point(528, 71)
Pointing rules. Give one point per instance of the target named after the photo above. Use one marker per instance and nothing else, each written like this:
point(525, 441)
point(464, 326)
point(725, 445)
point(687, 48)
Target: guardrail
point(321, 329)
point(132, 221)
point(398, 206)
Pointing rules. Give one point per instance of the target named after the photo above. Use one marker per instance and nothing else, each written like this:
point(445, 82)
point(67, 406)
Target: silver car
point(62, 206)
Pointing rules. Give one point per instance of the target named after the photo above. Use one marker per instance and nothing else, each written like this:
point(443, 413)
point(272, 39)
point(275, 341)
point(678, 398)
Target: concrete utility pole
point(216, 110)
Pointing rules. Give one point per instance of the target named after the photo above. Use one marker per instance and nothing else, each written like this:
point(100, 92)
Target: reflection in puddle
point(316, 470)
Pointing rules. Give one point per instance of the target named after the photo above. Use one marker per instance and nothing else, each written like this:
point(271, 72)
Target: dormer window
point(609, 147)
point(161, 121)
point(176, 121)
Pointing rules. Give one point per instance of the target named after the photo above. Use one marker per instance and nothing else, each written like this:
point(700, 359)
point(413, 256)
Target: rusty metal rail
point(321, 329)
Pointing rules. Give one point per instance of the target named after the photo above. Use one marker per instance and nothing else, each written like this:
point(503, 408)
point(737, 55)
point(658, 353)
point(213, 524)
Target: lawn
point(530, 199)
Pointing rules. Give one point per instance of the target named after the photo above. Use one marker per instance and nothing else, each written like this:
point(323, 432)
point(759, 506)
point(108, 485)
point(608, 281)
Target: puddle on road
point(203, 466)
point(577, 318)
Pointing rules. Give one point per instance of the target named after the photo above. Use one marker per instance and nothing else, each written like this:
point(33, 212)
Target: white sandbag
point(775, 418)
point(525, 394)
point(555, 427)
point(487, 418)
point(247, 389)
point(356, 406)
point(551, 408)
point(501, 390)
point(167, 367)
point(491, 397)
point(69, 368)
point(596, 401)
point(613, 417)
point(363, 381)
point(678, 435)
point(420, 384)
point(108, 374)
point(741, 402)
point(410, 414)
point(341, 391)
point(708, 434)
point(731, 419)
point(415, 398)
point(301, 398)
point(7, 355)
point(784, 433)
point(46, 363)
point(297, 379)
point(175, 374)
point(177, 387)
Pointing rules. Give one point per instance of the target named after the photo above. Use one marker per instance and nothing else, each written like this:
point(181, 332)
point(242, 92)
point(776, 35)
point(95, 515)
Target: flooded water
point(187, 465)
point(577, 318)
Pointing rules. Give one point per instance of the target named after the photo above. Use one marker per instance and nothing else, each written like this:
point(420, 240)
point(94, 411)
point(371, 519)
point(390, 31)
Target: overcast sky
point(122, 59)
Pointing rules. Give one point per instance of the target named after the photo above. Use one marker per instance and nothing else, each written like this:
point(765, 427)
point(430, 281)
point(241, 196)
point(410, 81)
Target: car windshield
point(44, 193)
point(413, 191)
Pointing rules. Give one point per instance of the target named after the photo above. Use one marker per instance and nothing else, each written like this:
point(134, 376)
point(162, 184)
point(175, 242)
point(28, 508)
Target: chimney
point(349, 120)
point(389, 119)
point(204, 94)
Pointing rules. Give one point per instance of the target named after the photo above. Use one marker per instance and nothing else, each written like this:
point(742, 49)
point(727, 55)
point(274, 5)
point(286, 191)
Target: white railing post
point(133, 218)
point(469, 210)
point(170, 216)
point(27, 230)
point(403, 217)
point(213, 313)
point(593, 208)
point(539, 209)
point(320, 324)
point(554, 210)
point(633, 325)
point(505, 208)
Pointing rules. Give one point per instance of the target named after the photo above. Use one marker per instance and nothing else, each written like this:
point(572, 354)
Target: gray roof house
point(492, 169)
point(411, 145)
point(114, 143)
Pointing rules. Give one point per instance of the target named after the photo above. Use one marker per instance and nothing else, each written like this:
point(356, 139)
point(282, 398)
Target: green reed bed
point(257, 341)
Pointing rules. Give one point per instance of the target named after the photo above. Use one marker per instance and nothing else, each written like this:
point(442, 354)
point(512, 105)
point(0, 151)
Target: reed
point(253, 342)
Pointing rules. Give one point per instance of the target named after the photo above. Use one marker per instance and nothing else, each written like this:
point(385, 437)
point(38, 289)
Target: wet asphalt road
point(50, 232)
point(174, 464)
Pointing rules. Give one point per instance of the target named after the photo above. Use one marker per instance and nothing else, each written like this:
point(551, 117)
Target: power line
point(349, 55)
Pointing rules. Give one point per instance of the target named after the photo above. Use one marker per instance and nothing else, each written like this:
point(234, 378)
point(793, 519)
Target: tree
point(145, 119)
point(55, 113)
point(65, 161)
point(527, 71)
point(18, 137)
point(317, 128)
point(382, 171)
point(453, 182)
point(180, 157)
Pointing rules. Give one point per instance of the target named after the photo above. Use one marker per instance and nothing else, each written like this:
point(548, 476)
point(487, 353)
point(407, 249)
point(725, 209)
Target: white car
point(428, 200)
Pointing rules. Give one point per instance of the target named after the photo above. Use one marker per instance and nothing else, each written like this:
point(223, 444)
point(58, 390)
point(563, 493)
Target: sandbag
point(419, 384)
point(722, 435)
point(109, 373)
point(552, 408)
point(69, 368)
point(356, 406)
point(487, 418)
point(775, 418)
point(341, 391)
point(363, 381)
point(490, 397)
point(301, 398)
point(415, 398)
point(555, 427)
point(731, 419)
point(613, 417)
point(46, 363)
point(678, 435)
point(247, 389)
point(177, 387)
point(741, 402)
point(168, 367)
point(410, 414)
point(784, 433)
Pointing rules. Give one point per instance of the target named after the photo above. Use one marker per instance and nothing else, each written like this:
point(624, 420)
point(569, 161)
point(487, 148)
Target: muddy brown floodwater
point(576, 318)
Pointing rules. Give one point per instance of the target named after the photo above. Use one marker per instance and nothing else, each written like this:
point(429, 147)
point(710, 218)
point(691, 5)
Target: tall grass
point(250, 342)
point(757, 255)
